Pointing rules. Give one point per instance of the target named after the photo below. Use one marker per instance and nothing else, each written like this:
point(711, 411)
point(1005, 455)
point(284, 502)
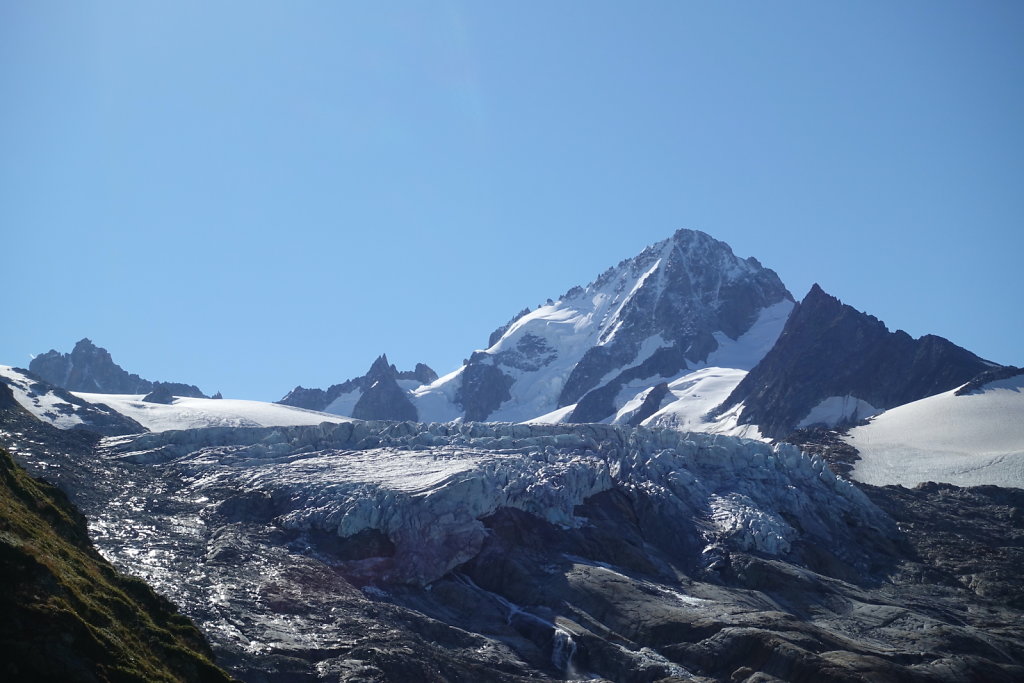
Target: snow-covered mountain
point(113, 414)
point(685, 335)
point(679, 305)
point(433, 540)
point(683, 305)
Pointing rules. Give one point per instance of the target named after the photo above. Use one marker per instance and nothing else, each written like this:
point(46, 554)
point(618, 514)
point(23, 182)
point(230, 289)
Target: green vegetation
point(66, 614)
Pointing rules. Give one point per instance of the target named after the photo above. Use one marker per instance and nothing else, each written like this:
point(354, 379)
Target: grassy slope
point(65, 612)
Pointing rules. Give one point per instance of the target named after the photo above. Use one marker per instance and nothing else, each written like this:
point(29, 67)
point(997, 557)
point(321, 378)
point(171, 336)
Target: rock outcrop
point(830, 351)
point(341, 399)
point(89, 368)
point(60, 407)
point(382, 398)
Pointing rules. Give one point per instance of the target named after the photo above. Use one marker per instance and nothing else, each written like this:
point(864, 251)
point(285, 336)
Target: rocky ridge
point(381, 382)
point(828, 351)
point(89, 368)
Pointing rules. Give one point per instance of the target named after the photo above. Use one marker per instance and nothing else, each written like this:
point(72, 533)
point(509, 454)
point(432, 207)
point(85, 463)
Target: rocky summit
point(383, 393)
point(90, 368)
point(833, 364)
point(653, 316)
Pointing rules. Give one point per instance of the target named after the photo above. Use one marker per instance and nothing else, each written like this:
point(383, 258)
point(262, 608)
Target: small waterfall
point(563, 649)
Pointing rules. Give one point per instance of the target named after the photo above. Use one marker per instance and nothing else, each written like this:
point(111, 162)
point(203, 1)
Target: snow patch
point(45, 405)
point(965, 440)
point(748, 349)
point(345, 403)
point(691, 398)
point(839, 409)
point(195, 413)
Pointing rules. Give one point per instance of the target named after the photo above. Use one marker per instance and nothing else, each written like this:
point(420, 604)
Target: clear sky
point(253, 195)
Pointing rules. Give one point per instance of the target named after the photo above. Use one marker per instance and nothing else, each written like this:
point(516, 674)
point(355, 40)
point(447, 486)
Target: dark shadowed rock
point(984, 378)
point(423, 374)
point(320, 399)
point(830, 349)
point(382, 398)
point(651, 404)
point(161, 393)
point(484, 388)
point(90, 368)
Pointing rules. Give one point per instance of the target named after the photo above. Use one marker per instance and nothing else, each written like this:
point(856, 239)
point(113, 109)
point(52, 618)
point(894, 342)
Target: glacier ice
point(426, 487)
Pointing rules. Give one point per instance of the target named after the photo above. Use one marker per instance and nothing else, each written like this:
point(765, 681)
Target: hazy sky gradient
point(249, 196)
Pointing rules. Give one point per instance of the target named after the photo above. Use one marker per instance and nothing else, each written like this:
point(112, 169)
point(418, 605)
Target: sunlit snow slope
point(968, 440)
point(194, 413)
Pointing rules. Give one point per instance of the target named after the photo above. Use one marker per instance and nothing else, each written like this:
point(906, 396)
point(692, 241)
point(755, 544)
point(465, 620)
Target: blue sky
point(254, 195)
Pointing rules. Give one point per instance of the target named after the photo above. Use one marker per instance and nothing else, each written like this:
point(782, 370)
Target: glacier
point(362, 550)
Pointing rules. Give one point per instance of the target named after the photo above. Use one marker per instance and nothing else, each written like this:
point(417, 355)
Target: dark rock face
point(422, 373)
point(970, 538)
point(319, 399)
point(90, 368)
point(68, 615)
point(599, 403)
point(161, 393)
point(382, 398)
point(316, 399)
point(830, 349)
point(651, 404)
point(984, 378)
point(484, 388)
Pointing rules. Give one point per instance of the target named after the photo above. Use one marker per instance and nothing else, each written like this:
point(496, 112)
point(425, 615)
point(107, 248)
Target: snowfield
point(195, 413)
point(963, 440)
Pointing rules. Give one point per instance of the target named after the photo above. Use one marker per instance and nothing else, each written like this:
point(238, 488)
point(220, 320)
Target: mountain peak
point(830, 354)
point(90, 368)
point(382, 366)
point(651, 316)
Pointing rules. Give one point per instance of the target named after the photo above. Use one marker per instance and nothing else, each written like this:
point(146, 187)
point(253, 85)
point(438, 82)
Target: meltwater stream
point(563, 647)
